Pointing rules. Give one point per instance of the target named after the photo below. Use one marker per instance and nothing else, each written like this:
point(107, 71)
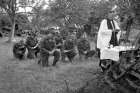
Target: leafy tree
point(136, 7)
point(21, 23)
point(129, 11)
point(37, 18)
point(66, 12)
point(10, 6)
point(99, 11)
point(36, 14)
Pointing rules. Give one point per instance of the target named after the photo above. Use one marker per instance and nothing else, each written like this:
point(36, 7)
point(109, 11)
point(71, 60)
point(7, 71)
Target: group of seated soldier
point(53, 44)
point(30, 44)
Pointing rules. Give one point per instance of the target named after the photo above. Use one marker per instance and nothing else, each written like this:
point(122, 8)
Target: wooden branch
point(124, 72)
point(132, 84)
point(107, 80)
point(135, 74)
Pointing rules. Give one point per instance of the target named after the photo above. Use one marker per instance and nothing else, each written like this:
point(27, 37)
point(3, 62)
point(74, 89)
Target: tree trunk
point(11, 35)
point(129, 23)
point(127, 33)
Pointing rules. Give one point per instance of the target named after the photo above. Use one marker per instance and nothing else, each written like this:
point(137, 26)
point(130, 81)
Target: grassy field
point(28, 77)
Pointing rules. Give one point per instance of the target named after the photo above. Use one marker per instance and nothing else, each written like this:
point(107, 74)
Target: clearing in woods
point(28, 77)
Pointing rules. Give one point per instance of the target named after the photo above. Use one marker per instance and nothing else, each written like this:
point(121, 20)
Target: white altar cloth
point(113, 53)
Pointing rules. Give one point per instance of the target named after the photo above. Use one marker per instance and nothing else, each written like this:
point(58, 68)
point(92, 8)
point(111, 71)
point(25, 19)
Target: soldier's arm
point(26, 42)
point(45, 50)
point(35, 46)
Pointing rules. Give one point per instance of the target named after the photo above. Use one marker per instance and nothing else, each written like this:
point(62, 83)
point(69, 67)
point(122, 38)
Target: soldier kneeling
point(19, 50)
point(83, 47)
point(69, 49)
point(32, 46)
point(47, 49)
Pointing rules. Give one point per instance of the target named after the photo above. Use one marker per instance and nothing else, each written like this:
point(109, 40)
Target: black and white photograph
point(69, 46)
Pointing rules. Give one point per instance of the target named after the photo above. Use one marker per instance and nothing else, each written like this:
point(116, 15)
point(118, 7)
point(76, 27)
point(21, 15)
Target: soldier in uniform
point(69, 48)
point(58, 40)
point(83, 47)
point(32, 45)
point(47, 49)
point(64, 33)
point(19, 50)
point(79, 33)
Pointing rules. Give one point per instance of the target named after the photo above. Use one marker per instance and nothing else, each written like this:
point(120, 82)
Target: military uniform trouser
point(44, 57)
point(70, 55)
point(19, 55)
point(81, 53)
point(32, 53)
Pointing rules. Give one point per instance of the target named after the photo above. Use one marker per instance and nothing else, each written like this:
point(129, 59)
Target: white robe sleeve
point(104, 35)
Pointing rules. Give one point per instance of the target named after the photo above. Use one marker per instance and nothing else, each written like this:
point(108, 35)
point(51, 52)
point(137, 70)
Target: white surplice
point(104, 34)
point(104, 37)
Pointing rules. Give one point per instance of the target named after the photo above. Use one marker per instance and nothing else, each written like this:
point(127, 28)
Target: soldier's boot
point(39, 61)
point(45, 62)
point(21, 57)
point(70, 59)
point(71, 55)
point(63, 57)
point(30, 54)
point(81, 55)
point(56, 55)
point(44, 57)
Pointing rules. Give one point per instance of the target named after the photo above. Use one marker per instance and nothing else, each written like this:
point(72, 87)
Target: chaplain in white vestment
point(109, 33)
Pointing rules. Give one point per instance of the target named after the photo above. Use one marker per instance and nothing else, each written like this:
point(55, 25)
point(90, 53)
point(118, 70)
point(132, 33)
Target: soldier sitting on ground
point(69, 48)
point(32, 45)
point(58, 40)
point(83, 46)
point(47, 49)
point(19, 50)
